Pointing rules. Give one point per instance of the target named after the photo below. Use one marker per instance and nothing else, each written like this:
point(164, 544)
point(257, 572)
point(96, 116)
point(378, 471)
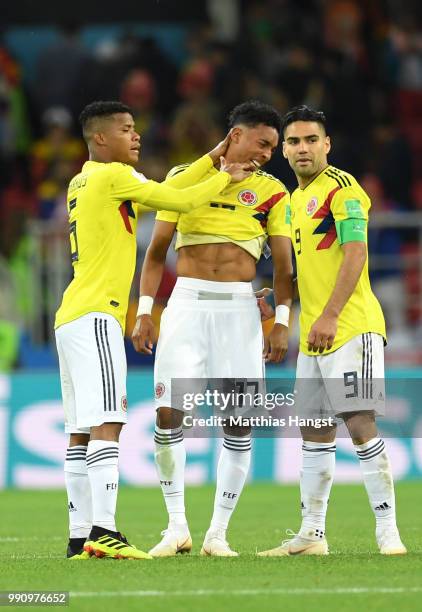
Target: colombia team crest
point(311, 206)
point(247, 197)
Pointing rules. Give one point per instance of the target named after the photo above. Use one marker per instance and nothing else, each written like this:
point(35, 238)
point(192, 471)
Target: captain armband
point(351, 230)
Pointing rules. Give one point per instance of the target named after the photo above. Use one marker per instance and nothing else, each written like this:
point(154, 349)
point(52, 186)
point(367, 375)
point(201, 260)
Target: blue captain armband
point(351, 230)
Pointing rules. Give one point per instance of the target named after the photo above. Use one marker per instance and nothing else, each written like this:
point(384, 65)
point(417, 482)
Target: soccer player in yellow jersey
point(340, 368)
point(211, 327)
point(103, 203)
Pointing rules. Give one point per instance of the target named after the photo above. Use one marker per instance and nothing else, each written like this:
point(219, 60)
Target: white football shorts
point(93, 370)
point(350, 379)
point(209, 330)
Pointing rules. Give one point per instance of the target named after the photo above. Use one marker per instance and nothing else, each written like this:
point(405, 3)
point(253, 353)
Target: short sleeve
point(348, 203)
point(350, 211)
point(167, 215)
point(128, 184)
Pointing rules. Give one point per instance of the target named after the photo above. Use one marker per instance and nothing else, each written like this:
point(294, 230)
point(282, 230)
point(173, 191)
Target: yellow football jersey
point(103, 204)
point(330, 211)
point(250, 210)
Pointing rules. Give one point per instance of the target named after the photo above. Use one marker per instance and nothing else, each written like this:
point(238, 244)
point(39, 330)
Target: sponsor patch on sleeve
point(354, 209)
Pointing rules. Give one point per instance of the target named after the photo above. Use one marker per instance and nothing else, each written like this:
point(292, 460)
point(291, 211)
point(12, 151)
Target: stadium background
point(182, 67)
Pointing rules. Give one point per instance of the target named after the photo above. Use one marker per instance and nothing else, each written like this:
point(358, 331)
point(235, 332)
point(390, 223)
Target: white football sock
point(232, 470)
point(170, 459)
point(378, 480)
point(316, 478)
point(102, 461)
point(78, 492)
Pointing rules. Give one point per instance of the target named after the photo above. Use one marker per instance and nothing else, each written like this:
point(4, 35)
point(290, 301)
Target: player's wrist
point(145, 305)
point(227, 175)
point(213, 158)
point(331, 312)
point(282, 315)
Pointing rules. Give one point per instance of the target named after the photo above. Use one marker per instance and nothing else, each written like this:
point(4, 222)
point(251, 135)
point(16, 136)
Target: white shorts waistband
point(198, 289)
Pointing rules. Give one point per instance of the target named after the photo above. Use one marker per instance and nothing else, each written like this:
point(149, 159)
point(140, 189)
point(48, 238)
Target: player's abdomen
point(225, 262)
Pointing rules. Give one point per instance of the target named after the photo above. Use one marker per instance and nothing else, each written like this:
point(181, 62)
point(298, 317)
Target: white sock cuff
point(237, 443)
point(75, 462)
point(319, 447)
point(102, 452)
point(370, 449)
point(166, 437)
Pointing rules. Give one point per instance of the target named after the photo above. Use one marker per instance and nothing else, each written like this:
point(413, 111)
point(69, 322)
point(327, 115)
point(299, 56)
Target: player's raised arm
point(151, 275)
point(130, 185)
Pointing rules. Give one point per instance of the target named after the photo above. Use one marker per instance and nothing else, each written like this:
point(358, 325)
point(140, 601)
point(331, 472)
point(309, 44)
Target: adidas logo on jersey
point(166, 482)
point(71, 507)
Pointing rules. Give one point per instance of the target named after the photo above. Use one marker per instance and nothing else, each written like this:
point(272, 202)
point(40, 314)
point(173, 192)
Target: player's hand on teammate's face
point(276, 344)
point(220, 149)
point(238, 171)
point(322, 334)
point(266, 310)
point(143, 335)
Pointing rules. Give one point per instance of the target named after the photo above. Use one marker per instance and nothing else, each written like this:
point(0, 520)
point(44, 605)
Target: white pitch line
point(26, 556)
point(249, 592)
point(31, 538)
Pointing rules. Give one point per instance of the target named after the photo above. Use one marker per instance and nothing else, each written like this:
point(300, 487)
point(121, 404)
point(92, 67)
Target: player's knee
point(78, 439)
point(106, 431)
point(169, 418)
point(322, 434)
point(361, 426)
point(237, 431)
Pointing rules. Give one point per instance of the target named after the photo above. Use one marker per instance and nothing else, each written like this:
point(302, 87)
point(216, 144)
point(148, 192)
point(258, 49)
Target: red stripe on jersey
point(266, 206)
point(328, 239)
point(322, 212)
point(123, 209)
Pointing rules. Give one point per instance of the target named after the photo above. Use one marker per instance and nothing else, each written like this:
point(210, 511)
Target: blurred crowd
point(360, 62)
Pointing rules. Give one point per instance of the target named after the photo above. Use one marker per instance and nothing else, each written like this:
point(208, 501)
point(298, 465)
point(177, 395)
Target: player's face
point(122, 140)
point(254, 144)
point(306, 147)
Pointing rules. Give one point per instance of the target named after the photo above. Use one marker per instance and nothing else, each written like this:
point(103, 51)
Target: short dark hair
point(303, 113)
point(253, 113)
point(100, 109)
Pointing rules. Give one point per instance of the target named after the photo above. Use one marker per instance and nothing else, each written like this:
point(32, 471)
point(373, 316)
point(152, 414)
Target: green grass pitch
point(33, 538)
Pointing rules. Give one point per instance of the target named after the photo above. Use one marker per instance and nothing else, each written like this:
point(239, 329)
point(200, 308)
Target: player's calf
point(170, 459)
point(378, 479)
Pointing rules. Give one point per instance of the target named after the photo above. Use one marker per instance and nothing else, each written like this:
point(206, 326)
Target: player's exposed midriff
point(224, 262)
